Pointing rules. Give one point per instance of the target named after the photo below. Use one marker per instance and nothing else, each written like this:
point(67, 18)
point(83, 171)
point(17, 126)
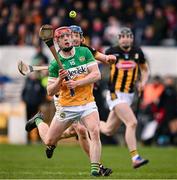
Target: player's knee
point(72, 132)
point(82, 132)
point(95, 133)
point(109, 133)
point(132, 124)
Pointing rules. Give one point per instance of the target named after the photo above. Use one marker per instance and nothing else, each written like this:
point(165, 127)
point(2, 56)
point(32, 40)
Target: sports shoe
point(31, 124)
point(95, 173)
point(139, 162)
point(105, 171)
point(49, 151)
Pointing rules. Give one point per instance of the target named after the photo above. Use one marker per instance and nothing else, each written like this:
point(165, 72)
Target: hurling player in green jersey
point(83, 70)
point(77, 129)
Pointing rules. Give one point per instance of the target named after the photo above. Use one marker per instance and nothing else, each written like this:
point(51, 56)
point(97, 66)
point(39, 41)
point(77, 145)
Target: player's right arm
point(103, 58)
point(55, 79)
point(92, 76)
point(106, 59)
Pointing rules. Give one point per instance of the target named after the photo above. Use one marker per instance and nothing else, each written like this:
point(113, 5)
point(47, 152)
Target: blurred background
point(154, 24)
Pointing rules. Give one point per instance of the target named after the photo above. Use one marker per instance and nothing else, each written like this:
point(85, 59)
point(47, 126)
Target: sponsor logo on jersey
point(82, 58)
point(126, 65)
point(77, 71)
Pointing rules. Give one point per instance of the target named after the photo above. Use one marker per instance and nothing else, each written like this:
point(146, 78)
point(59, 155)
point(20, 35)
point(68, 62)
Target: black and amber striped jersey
point(124, 73)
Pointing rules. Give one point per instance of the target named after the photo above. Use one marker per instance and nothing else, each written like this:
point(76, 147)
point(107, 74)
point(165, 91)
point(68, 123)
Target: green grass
point(69, 162)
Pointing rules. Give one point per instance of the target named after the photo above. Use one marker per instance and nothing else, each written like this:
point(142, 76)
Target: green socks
point(95, 168)
point(38, 121)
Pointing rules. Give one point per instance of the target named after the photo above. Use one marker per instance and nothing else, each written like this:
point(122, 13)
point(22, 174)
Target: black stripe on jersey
point(124, 81)
point(115, 79)
point(113, 83)
point(132, 82)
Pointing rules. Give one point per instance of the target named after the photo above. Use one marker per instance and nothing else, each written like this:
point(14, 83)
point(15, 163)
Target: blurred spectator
point(160, 25)
point(39, 58)
point(20, 20)
point(92, 11)
point(111, 31)
point(149, 12)
point(153, 91)
point(3, 79)
point(98, 27)
point(49, 13)
point(160, 114)
point(150, 114)
point(149, 37)
point(11, 36)
point(24, 36)
point(105, 11)
point(171, 14)
point(168, 103)
point(33, 95)
point(139, 25)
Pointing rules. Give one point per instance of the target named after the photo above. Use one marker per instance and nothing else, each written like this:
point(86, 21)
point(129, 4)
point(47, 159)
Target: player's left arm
point(93, 76)
point(144, 71)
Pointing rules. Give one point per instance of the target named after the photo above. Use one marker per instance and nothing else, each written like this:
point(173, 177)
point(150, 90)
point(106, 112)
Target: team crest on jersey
point(126, 56)
point(136, 56)
point(62, 115)
point(82, 58)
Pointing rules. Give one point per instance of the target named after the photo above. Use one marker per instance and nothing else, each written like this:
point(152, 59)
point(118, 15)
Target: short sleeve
point(93, 51)
point(107, 51)
point(89, 57)
point(53, 69)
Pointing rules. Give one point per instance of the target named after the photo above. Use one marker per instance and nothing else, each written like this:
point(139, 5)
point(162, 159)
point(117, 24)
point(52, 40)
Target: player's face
point(125, 41)
point(65, 41)
point(76, 38)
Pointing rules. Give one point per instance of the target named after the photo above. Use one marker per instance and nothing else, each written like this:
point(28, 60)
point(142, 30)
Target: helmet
point(125, 31)
point(77, 29)
point(62, 30)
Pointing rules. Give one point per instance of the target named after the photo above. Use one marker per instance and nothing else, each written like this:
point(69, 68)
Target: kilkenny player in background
point(123, 77)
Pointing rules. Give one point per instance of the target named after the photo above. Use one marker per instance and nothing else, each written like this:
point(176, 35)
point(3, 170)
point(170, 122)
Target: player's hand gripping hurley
point(46, 34)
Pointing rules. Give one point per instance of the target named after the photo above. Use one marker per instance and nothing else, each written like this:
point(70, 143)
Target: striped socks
point(38, 121)
point(95, 168)
point(134, 155)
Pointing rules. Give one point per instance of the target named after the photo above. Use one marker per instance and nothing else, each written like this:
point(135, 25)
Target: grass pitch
point(69, 162)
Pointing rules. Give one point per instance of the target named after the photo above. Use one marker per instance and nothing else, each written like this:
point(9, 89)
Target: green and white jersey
point(77, 66)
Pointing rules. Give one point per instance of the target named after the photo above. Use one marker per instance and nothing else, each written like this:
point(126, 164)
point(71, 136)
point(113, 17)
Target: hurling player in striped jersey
point(123, 77)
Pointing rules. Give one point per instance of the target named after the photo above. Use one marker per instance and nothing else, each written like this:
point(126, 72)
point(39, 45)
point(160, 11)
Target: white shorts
point(121, 98)
point(55, 99)
point(74, 113)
